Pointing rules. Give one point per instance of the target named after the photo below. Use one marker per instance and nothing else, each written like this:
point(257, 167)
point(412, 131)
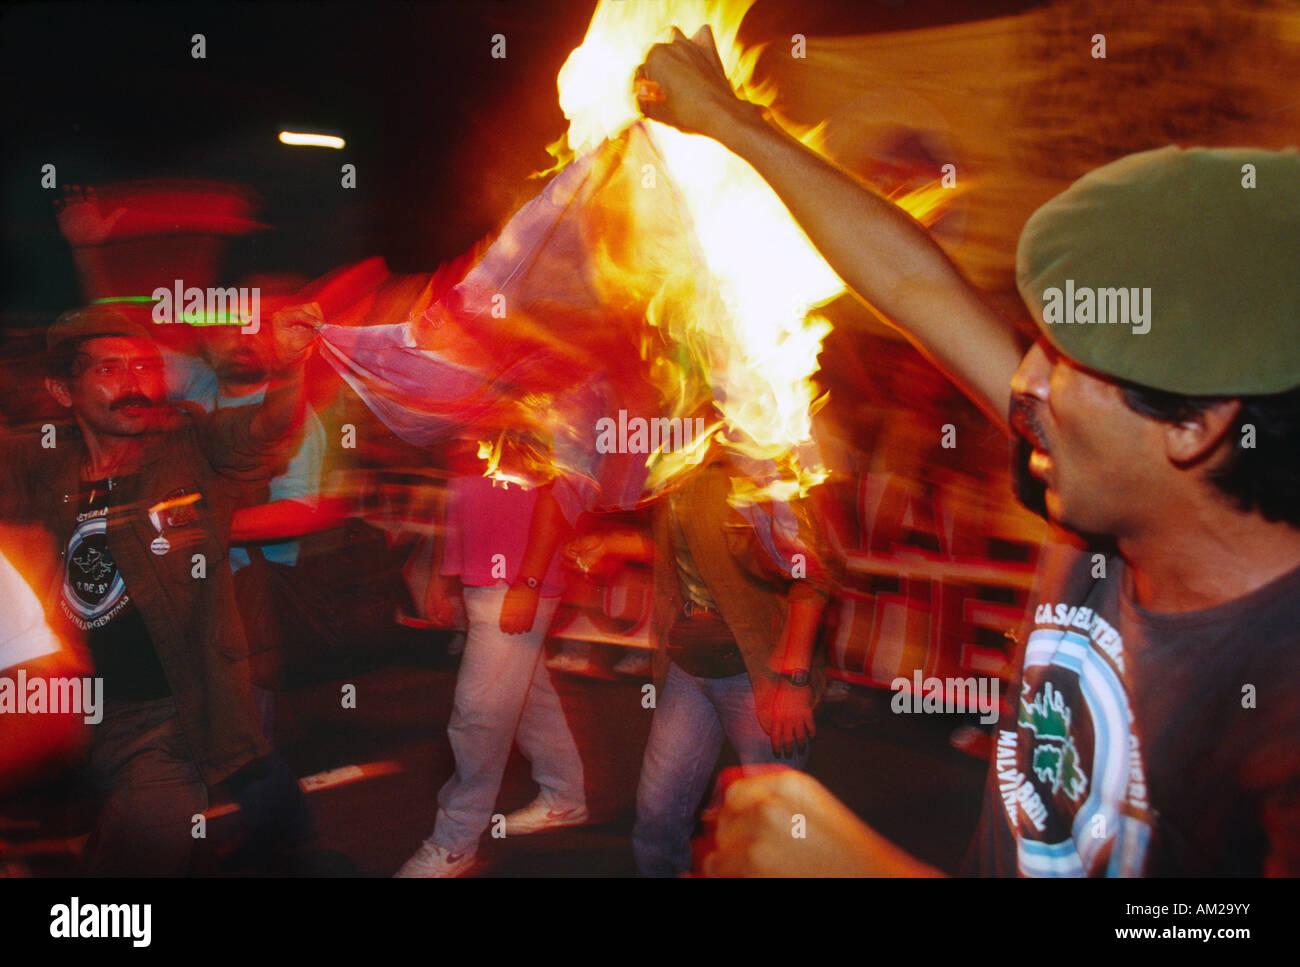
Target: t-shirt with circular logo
point(1147, 744)
point(96, 600)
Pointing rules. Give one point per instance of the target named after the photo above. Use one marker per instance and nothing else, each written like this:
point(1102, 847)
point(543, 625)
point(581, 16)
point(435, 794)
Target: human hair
point(61, 362)
point(1262, 469)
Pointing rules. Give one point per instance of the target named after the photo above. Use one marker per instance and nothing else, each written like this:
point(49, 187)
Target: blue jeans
point(504, 694)
point(692, 717)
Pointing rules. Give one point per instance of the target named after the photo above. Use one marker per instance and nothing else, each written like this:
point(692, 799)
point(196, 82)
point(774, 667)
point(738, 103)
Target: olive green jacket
point(186, 595)
point(752, 597)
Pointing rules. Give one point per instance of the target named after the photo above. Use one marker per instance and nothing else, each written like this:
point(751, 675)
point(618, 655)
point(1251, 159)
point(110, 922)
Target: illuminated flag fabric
point(547, 333)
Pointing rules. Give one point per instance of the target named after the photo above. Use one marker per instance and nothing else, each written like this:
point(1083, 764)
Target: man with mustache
point(1154, 729)
point(137, 495)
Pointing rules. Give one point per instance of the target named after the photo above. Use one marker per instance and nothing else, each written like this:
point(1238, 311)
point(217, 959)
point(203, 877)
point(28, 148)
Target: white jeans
point(504, 691)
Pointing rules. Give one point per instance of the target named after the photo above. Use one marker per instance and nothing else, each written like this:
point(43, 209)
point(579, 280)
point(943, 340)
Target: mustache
point(1023, 417)
point(1031, 492)
point(137, 401)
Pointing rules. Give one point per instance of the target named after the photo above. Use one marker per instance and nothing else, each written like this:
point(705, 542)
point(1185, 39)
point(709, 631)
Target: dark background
point(443, 136)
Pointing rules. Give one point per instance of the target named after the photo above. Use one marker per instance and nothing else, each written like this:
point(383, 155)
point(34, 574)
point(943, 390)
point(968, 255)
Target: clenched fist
point(294, 330)
point(683, 83)
point(519, 609)
point(785, 823)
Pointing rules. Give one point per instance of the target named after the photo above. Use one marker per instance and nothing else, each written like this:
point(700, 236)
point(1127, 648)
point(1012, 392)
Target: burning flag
point(545, 335)
point(656, 276)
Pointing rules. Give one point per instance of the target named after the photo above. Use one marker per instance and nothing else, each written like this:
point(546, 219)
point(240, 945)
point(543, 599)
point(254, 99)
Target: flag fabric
point(546, 333)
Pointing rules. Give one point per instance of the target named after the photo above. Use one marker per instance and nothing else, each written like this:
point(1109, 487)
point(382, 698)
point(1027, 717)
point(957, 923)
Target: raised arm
point(250, 442)
point(882, 254)
point(285, 403)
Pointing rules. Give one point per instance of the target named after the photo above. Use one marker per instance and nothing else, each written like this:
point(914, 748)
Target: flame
point(595, 83)
point(753, 338)
point(507, 472)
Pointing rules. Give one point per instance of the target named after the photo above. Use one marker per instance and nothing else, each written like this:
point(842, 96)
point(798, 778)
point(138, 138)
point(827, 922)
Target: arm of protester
point(546, 532)
point(880, 252)
point(294, 504)
point(284, 407)
point(797, 557)
point(283, 519)
point(440, 599)
point(591, 553)
point(753, 833)
point(254, 443)
point(790, 706)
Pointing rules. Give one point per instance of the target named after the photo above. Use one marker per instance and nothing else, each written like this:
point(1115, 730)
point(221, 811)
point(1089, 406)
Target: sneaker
point(633, 663)
point(572, 664)
point(434, 861)
point(542, 814)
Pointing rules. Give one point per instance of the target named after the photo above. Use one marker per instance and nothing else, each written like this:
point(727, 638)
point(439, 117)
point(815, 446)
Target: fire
point(751, 332)
point(595, 83)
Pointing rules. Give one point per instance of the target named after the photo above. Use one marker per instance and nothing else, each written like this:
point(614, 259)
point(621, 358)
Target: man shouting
point(1154, 729)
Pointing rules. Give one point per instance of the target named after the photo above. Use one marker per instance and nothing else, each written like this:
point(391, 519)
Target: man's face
point(117, 387)
point(235, 356)
point(1100, 462)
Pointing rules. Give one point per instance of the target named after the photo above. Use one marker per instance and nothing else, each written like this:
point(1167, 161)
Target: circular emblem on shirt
point(1070, 775)
point(92, 584)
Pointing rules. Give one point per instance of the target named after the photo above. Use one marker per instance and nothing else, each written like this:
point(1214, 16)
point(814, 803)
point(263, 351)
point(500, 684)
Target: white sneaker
point(572, 664)
point(434, 861)
point(542, 814)
point(633, 663)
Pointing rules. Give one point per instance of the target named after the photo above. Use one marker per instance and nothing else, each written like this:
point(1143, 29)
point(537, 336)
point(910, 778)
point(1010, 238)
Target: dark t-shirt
point(95, 599)
point(1143, 743)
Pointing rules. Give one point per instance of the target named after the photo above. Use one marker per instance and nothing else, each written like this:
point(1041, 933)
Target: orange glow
point(751, 332)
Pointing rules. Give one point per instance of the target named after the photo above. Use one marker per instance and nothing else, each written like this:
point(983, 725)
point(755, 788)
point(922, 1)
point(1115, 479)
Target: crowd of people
point(152, 541)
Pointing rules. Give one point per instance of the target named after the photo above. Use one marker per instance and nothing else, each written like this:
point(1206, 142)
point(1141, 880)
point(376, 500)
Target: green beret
point(1174, 269)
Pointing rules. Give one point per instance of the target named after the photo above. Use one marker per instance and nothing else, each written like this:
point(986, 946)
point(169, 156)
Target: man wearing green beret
point(1154, 729)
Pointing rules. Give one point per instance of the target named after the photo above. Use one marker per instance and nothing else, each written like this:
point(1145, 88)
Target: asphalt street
point(373, 772)
point(899, 772)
